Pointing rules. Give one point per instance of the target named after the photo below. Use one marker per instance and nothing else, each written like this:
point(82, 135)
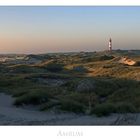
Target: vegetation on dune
point(53, 67)
point(93, 83)
point(97, 58)
point(25, 69)
point(72, 106)
point(103, 109)
point(31, 98)
point(106, 109)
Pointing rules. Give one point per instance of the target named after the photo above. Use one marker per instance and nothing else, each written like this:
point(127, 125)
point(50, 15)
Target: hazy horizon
point(34, 30)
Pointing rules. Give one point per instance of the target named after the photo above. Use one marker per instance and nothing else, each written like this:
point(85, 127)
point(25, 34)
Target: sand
point(12, 115)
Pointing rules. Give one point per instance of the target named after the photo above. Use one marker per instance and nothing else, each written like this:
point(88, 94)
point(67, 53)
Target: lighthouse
point(110, 44)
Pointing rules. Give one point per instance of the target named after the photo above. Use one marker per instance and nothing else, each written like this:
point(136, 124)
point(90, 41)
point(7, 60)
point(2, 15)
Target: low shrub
point(72, 106)
point(25, 69)
point(54, 67)
point(106, 57)
point(125, 108)
point(105, 87)
point(48, 105)
point(34, 97)
point(97, 58)
point(104, 109)
point(108, 66)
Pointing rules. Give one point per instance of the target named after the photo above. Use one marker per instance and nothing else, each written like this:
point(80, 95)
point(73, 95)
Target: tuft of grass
point(72, 106)
point(104, 109)
point(125, 108)
point(32, 98)
point(48, 105)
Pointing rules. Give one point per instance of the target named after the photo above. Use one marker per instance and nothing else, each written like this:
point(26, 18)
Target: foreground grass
point(108, 95)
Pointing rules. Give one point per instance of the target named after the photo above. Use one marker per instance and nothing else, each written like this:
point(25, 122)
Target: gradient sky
point(62, 29)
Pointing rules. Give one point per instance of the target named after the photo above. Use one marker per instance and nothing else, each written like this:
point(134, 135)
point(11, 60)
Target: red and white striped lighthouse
point(110, 44)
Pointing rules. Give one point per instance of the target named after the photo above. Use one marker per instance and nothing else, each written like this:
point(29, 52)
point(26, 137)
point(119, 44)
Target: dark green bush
point(97, 58)
point(105, 87)
point(54, 67)
point(125, 108)
point(106, 57)
point(48, 105)
point(106, 109)
point(72, 106)
point(103, 109)
point(34, 97)
point(25, 69)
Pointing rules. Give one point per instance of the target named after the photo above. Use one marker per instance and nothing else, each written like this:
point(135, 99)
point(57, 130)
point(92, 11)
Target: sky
point(68, 29)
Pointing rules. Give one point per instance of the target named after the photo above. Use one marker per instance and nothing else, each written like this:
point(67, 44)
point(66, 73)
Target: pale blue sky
point(52, 29)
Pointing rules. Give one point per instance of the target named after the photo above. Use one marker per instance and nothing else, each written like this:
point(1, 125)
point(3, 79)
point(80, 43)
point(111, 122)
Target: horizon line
point(67, 52)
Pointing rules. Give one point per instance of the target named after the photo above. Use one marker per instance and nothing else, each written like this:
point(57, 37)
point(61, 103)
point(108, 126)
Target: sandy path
point(11, 115)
